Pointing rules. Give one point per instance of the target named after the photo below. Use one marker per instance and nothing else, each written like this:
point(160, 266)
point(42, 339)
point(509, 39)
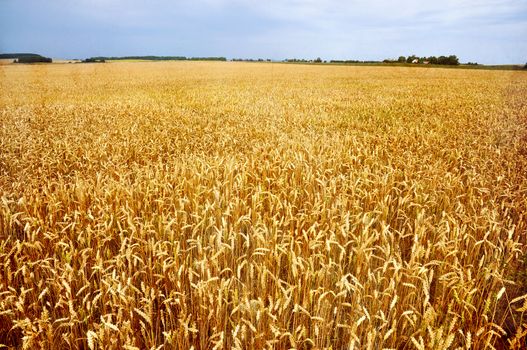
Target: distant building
point(426, 62)
point(415, 61)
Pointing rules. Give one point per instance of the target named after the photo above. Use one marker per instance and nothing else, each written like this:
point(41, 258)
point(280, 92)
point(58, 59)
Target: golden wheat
point(229, 205)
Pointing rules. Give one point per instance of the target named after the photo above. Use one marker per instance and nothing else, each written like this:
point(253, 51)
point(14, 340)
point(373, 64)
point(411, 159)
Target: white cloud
point(359, 29)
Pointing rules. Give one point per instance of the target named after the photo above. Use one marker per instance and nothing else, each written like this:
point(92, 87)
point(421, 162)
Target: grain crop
point(201, 205)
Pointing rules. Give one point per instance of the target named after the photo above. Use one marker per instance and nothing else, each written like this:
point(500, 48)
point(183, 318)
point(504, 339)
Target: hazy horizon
point(487, 31)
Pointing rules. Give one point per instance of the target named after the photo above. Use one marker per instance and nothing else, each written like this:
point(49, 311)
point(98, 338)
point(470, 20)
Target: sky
point(483, 31)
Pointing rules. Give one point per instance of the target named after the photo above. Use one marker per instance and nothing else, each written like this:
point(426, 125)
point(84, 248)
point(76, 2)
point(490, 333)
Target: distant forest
point(441, 60)
point(154, 58)
point(26, 58)
point(451, 60)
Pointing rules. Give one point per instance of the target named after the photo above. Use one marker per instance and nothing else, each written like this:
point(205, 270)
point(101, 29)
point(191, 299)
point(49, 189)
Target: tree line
point(451, 60)
point(153, 58)
point(352, 61)
point(26, 58)
point(251, 60)
point(441, 60)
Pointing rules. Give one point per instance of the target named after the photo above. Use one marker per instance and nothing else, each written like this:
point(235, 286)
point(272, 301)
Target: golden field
point(178, 205)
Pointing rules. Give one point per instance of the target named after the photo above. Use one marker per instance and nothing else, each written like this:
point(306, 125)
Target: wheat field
point(193, 205)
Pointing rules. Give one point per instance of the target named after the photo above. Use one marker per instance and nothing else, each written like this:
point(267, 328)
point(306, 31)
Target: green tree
point(34, 59)
point(432, 60)
point(410, 59)
point(401, 59)
point(453, 60)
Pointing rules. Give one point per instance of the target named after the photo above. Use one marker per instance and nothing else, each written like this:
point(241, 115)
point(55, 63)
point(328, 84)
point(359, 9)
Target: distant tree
point(525, 67)
point(94, 60)
point(318, 60)
point(31, 56)
point(411, 58)
point(207, 59)
point(34, 59)
point(432, 60)
point(453, 60)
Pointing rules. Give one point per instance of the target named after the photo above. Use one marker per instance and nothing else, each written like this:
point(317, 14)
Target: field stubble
point(231, 205)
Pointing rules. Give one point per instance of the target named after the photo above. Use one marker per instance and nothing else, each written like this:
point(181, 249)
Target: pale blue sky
point(486, 31)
